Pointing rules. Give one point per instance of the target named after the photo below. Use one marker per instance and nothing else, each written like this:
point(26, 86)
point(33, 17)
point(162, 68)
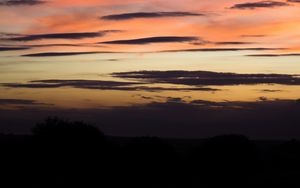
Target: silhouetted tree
point(61, 129)
point(69, 154)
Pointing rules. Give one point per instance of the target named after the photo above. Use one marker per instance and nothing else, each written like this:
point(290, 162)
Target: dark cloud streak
point(70, 36)
point(233, 43)
point(21, 2)
point(57, 54)
point(148, 40)
point(135, 15)
point(259, 4)
point(4, 48)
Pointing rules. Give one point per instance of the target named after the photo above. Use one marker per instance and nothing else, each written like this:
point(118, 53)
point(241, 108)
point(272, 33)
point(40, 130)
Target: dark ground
point(61, 153)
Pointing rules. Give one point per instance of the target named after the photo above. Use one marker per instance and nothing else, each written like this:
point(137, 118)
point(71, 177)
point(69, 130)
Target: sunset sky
point(106, 54)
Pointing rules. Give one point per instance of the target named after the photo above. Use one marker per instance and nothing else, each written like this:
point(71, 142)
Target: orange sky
point(263, 37)
point(279, 24)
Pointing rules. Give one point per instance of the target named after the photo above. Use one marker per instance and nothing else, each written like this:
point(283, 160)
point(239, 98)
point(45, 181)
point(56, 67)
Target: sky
point(83, 56)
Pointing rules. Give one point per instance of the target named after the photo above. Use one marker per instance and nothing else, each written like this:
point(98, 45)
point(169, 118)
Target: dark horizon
point(62, 153)
point(172, 119)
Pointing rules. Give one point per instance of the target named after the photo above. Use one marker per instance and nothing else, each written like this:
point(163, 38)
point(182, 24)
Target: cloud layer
point(203, 78)
point(101, 85)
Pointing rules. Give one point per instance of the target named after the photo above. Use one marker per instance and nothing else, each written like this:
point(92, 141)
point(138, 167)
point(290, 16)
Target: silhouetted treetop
point(60, 128)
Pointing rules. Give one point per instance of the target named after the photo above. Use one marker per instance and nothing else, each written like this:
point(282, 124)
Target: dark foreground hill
point(66, 154)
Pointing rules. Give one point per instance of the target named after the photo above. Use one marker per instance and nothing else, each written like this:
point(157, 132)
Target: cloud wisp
point(69, 36)
point(135, 15)
point(259, 4)
point(6, 48)
point(149, 40)
point(20, 102)
point(58, 54)
point(252, 36)
point(222, 49)
point(274, 55)
point(294, 1)
point(16, 101)
point(21, 2)
point(232, 43)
